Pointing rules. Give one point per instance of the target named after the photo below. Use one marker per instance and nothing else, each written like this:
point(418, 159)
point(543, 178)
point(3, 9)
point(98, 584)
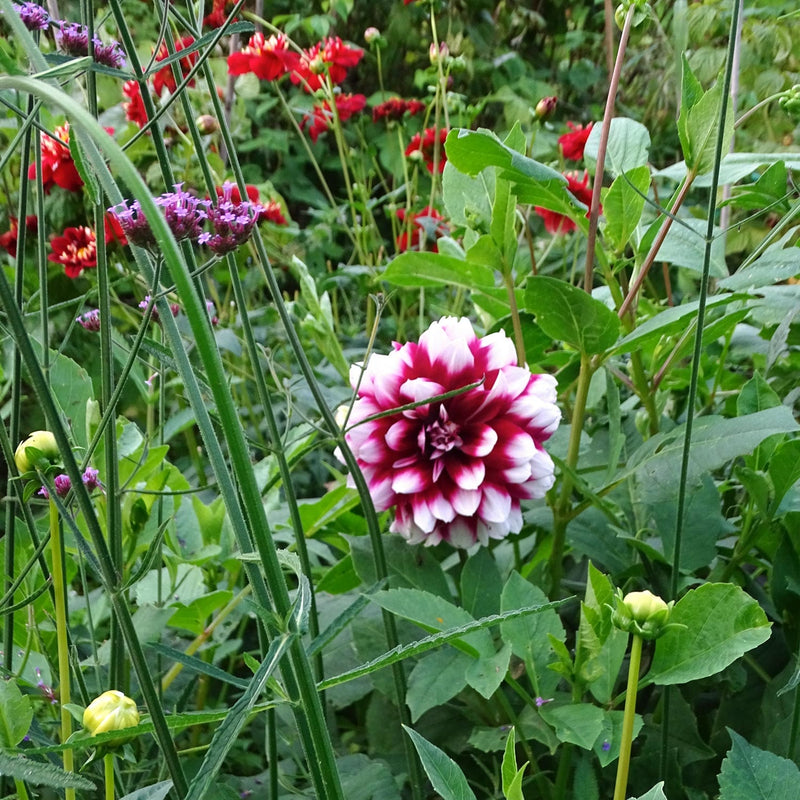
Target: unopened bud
point(41, 444)
point(371, 34)
point(435, 54)
point(207, 124)
point(545, 108)
point(111, 711)
point(642, 613)
point(316, 66)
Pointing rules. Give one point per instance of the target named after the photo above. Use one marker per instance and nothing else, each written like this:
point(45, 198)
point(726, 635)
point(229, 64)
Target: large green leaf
point(158, 791)
point(435, 269)
point(685, 244)
point(366, 779)
point(16, 713)
point(580, 723)
point(734, 167)
point(777, 263)
point(722, 623)
point(752, 774)
point(481, 585)
point(628, 146)
point(445, 775)
point(656, 793)
point(435, 679)
point(570, 315)
point(623, 205)
point(715, 442)
point(486, 674)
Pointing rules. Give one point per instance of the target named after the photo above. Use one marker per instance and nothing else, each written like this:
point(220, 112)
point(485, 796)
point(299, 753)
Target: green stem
point(628, 718)
point(61, 637)
point(108, 771)
point(562, 508)
point(562, 774)
point(22, 792)
point(519, 341)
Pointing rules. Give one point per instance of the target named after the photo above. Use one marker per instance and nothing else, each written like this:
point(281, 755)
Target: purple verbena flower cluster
point(33, 16)
point(90, 320)
point(73, 39)
point(231, 222)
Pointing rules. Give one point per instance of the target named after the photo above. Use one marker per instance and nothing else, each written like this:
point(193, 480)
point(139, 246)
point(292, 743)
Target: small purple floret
point(33, 16)
point(133, 222)
point(184, 213)
point(231, 223)
point(73, 39)
point(90, 320)
point(111, 55)
point(91, 478)
point(62, 484)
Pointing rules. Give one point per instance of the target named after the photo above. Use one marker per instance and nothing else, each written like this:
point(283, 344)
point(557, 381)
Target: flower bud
point(641, 613)
point(371, 34)
point(545, 108)
point(42, 441)
point(317, 66)
point(207, 124)
point(111, 711)
point(436, 53)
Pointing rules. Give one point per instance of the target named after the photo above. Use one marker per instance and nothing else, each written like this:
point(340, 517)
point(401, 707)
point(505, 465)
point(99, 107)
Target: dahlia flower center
point(441, 435)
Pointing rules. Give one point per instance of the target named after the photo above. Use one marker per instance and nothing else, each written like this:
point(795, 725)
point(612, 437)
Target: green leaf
point(784, 470)
point(715, 442)
point(734, 167)
point(481, 584)
point(656, 793)
point(777, 263)
point(509, 766)
point(752, 774)
point(434, 269)
point(623, 205)
point(628, 147)
point(530, 637)
point(435, 679)
point(444, 774)
point(158, 791)
point(578, 724)
point(16, 713)
point(366, 779)
point(467, 199)
point(434, 613)
point(756, 395)
point(722, 623)
point(570, 315)
point(691, 93)
point(685, 244)
point(487, 673)
point(41, 773)
point(700, 130)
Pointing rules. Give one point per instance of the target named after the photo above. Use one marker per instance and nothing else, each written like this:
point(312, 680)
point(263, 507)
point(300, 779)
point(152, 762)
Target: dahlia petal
point(498, 351)
point(518, 446)
point(437, 470)
point(372, 450)
point(416, 389)
point(480, 442)
point(468, 474)
point(380, 489)
point(442, 508)
point(454, 358)
point(424, 517)
point(410, 480)
point(401, 435)
point(495, 504)
point(464, 502)
point(520, 473)
point(461, 533)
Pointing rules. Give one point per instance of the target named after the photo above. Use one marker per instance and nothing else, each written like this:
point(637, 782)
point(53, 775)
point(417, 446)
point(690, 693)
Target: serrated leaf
point(722, 623)
point(41, 773)
point(444, 774)
point(570, 315)
point(752, 774)
point(435, 679)
point(487, 673)
point(158, 791)
point(578, 724)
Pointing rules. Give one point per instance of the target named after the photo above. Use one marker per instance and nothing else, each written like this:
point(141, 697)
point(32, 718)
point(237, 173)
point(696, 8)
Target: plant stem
point(629, 715)
point(108, 770)
point(519, 341)
point(561, 509)
point(594, 208)
point(61, 637)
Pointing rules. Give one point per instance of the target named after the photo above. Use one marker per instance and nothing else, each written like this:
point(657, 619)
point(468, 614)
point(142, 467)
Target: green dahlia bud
point(43, 442)
point(111, 711)
point(641, 613)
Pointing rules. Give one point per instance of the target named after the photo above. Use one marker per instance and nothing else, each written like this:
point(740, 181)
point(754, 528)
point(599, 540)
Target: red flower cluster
point(75, 249)
point(271, 210)
point(218, 15)
point(428, 226)
point(395, 107)
point(58, 168)
point(572, 144)
point(558, 223)
point(322, 115)
point(267, 59)
point(423, 147)
point(164, 79)
point(8, 240)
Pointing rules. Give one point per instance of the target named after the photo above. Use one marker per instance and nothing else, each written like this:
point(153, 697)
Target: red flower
point(428, 226)
point(423, 147)
point(134, 107)
point(58, 168)
point(331, 56)
point(558, 223)
point(218, 15)
point(395, 107)
point(164, 79)
point(8, 240)
point(322, 115)
point(76, 249)
point(267, 59)
point(572, 144)
point(271, 210)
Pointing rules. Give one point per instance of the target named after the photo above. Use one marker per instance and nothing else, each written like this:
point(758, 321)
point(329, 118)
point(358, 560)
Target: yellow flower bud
point(644, 605)
point(43, 441)
point(642, 613)
point(111, 711)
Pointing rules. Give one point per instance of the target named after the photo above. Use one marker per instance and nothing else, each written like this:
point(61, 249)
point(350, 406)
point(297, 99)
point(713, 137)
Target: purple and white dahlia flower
point(454, 469)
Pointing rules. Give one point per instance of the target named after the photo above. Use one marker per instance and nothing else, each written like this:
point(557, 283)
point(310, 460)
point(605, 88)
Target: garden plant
point(398, 400)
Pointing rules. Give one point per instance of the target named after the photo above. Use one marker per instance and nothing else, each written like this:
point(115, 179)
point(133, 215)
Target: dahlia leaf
point(579, 724)
point(16, 713)
point(445, 775)
point(416, 269)
point(486, 674)
point(721, 623)
point(628, 147)
point(435, 679)
point(623, 205)
point(656, 793)
point(570, 315)
point(749, 773)
point(481, 584)
point(509, 766)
